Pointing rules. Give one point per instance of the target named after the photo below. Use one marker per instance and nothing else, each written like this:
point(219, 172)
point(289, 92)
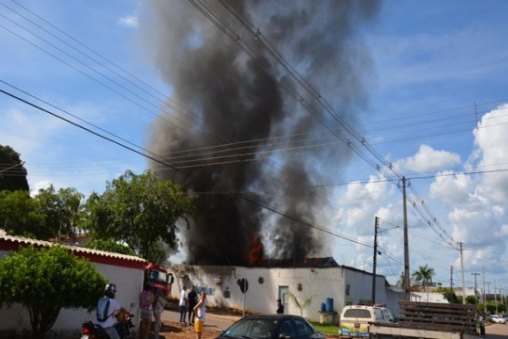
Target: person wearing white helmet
point(107, 308)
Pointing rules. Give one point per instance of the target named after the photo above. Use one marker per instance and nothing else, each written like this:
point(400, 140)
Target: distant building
point(430, 297)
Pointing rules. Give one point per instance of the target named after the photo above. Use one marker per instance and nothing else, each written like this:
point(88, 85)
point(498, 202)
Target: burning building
point(245, 124)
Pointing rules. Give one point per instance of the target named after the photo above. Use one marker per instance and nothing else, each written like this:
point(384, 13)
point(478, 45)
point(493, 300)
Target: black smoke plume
point(250, 138)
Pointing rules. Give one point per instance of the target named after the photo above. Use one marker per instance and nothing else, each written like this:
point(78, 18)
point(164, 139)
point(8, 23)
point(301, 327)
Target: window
point(357, 313)
point(255, 328)
point(378, 315)
point(286, 329)
point(302, 328)
point(348, 288)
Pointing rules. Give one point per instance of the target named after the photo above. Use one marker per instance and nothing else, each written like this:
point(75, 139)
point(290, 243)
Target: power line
point(130, 78)
point(244, 197)
point(74, 48)
point(386, 169)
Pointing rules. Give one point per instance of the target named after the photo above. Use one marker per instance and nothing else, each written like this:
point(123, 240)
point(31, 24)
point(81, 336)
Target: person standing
point(200, 313)
point(192, 297)
point(182, 305)
point(107, 308)
point(146, 300)
point(280, 307)
point(158, 308)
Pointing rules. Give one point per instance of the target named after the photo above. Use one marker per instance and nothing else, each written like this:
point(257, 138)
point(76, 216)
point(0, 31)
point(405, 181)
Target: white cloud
point(491, 138)
point(130, 21)
point(44, 184)
point(450, 187)
point(428, 159)
point(357, 207)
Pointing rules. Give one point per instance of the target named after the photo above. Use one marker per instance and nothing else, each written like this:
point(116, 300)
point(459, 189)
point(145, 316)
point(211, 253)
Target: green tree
point(12, 172)
point(20, 215)
point(301, 304)
point(450, 295)
point(61, 210)
point(49, 214)
point(471, 299)
point(424, 276)
point(140, 211)
point(110, 246)
point(47, 280)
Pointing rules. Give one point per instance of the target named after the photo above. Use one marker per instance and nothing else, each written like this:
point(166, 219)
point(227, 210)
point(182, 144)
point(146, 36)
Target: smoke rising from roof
point(241, 97)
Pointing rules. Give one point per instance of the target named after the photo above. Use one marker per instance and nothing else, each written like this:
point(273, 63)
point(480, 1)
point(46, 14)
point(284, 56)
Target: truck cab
point(159, 278)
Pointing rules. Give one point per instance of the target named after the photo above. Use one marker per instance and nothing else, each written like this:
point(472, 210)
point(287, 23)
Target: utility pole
point(463, 280)
point(376, 226)
point(407, 292)
point(495, 295)
point(484, 294)
point(505, 301)
point(451, 277)
point(475, 297)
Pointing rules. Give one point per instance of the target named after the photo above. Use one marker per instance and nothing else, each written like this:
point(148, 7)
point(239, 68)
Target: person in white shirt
point(107, 309)
point(183, 305)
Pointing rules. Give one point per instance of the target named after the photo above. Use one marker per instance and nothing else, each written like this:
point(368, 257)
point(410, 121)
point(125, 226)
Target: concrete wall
point(129, 283)
point(223, 290)
point(317, 284)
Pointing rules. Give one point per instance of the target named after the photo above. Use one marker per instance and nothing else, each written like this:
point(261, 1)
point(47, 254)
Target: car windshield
point(252, 328)
point(357, 313)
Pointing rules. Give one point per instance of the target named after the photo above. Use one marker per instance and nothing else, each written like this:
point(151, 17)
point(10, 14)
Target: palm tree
point(424, 275)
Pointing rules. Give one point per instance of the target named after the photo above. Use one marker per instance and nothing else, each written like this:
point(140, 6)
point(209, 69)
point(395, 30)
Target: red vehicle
point(159, 277)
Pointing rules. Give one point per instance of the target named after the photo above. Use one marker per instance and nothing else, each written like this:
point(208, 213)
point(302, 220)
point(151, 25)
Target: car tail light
point(85, 330)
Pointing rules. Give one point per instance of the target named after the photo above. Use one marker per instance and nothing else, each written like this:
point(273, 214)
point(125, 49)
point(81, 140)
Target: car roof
point(272, 316)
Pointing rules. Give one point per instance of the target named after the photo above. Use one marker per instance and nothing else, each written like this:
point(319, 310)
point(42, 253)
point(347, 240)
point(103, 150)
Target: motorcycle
point(89, 330)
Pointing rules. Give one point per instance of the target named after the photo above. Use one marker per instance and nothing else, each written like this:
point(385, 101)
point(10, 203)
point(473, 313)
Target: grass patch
point(327, 329)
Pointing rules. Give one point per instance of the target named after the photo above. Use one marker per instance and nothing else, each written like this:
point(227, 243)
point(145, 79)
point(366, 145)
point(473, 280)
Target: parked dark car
point(276, 326)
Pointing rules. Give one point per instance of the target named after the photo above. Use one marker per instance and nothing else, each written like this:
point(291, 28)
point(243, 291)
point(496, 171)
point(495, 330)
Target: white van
point(354, 320)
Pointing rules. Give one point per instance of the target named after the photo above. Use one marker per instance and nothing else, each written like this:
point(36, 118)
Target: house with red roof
point(126, 271)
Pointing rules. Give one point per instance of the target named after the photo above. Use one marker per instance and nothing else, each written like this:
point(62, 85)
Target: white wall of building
point(317, 284)
point(430, 297)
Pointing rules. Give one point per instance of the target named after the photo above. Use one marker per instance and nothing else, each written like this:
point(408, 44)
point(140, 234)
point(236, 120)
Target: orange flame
point(256, 252)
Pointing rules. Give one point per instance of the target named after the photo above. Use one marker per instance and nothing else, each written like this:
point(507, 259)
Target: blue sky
point(436, 88)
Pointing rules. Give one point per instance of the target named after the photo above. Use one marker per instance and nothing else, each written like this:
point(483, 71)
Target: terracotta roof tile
point(74, 249)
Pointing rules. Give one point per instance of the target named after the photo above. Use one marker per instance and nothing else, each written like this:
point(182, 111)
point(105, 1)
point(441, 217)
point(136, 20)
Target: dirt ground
point(175, 330)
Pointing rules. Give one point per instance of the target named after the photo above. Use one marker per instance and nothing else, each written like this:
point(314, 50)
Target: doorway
point(284, 297)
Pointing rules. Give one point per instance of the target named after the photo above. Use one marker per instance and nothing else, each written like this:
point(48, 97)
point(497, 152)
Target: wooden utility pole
point(451, 277)
point(407, 292)
point(484, 293)
point(495, 296)
point(374, 261)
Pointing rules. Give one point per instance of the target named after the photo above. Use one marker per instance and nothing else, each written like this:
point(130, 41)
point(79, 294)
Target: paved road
point(496, 331)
